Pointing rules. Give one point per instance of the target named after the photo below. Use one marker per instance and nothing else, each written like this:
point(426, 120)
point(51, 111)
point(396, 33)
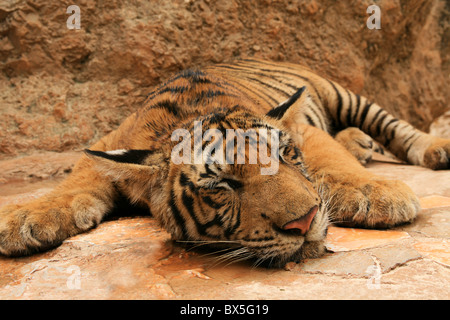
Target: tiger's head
point(255, 198)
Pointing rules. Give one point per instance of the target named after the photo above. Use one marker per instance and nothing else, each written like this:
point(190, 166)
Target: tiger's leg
point(399, 137)
point(355, 196)
point(359, 144)
point(75, 206)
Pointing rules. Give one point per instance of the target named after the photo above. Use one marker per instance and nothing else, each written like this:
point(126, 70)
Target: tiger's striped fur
point(272, 218)
point(334, 108)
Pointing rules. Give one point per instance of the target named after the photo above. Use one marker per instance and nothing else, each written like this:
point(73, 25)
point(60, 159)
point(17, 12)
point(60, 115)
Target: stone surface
point(133, 258)
point(435, 249)
point(434, 222)
point(348, 239)
point(36, 167)
point(434, 202)
point(424, 182)
point(63, 89)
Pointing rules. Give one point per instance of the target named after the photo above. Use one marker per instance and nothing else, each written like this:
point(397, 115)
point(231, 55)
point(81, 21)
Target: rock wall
point(63, 89)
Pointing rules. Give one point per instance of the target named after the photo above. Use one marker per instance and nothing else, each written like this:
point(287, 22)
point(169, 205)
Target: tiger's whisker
point(199, 243)
point(237, 253)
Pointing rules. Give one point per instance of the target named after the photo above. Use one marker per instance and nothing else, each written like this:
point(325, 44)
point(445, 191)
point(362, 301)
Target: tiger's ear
point(128, 164)
point(291, 112)
point(283, 110)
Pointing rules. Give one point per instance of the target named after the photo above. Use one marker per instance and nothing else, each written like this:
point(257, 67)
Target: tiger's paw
point(371, 203)
point(45, 224)
point(359, 144)
point(437, 155)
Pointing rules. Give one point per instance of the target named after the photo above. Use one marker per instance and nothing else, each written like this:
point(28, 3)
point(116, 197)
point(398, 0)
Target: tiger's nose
point(302, 223)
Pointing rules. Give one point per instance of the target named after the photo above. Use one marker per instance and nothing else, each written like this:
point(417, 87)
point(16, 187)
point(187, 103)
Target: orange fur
point(234, 204)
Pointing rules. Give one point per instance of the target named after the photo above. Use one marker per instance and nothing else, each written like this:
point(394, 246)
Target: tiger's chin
point(311, 250)
point(308, 250)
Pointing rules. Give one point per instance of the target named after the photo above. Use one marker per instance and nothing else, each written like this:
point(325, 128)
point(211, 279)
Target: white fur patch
point(116, 152)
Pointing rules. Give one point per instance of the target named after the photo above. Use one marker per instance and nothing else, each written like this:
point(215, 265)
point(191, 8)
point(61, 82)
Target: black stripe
point(209, 173)
point(322, 121)
point(268, 85)
point(374, 120)
point(411, 144)
point(338, 123)
point(355, 115)
point(237, 216)
point(394, 130)
point(256, 71)
point(284, 72)
point(271, 76)
point(250, 72)
point(177, 215)
point(212, 203)
point(305, 79)
point(310, 121)
point(364, 114)
point(173, 90)
point(349, 111)
point(195, 76)
point(263, 97)
point(389, 123)
point(168, 105)
point(409, 138)
point(207, 94)
point(392, 135)
point(295, 75)
point(188, 202)
point(297, 153)
point(186, 182)
point(380, 123)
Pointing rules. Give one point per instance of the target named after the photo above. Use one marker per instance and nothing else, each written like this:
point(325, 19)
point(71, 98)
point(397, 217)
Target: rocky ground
point(62, 89)
point(132, 258)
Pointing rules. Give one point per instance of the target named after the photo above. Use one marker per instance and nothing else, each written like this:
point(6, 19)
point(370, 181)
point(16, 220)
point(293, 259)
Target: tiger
point(326, 134)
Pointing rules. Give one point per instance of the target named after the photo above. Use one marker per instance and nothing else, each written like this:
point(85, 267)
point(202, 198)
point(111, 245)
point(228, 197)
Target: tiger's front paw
point(45, 224)
point(371, 203)
point(437, 155)
point(23, 231)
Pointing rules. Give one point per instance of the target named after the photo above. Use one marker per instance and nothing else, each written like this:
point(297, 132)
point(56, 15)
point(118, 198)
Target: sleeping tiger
point(324, 136)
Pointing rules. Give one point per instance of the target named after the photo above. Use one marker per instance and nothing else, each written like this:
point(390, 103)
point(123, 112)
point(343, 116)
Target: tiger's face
point(231, 197)
point(272, 218)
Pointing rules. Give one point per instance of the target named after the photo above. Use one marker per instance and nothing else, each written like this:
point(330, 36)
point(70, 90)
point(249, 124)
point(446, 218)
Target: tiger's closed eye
point(232, 183)
point(224, 183)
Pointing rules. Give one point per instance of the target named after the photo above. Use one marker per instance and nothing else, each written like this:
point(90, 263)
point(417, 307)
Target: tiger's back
point(329, 107)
